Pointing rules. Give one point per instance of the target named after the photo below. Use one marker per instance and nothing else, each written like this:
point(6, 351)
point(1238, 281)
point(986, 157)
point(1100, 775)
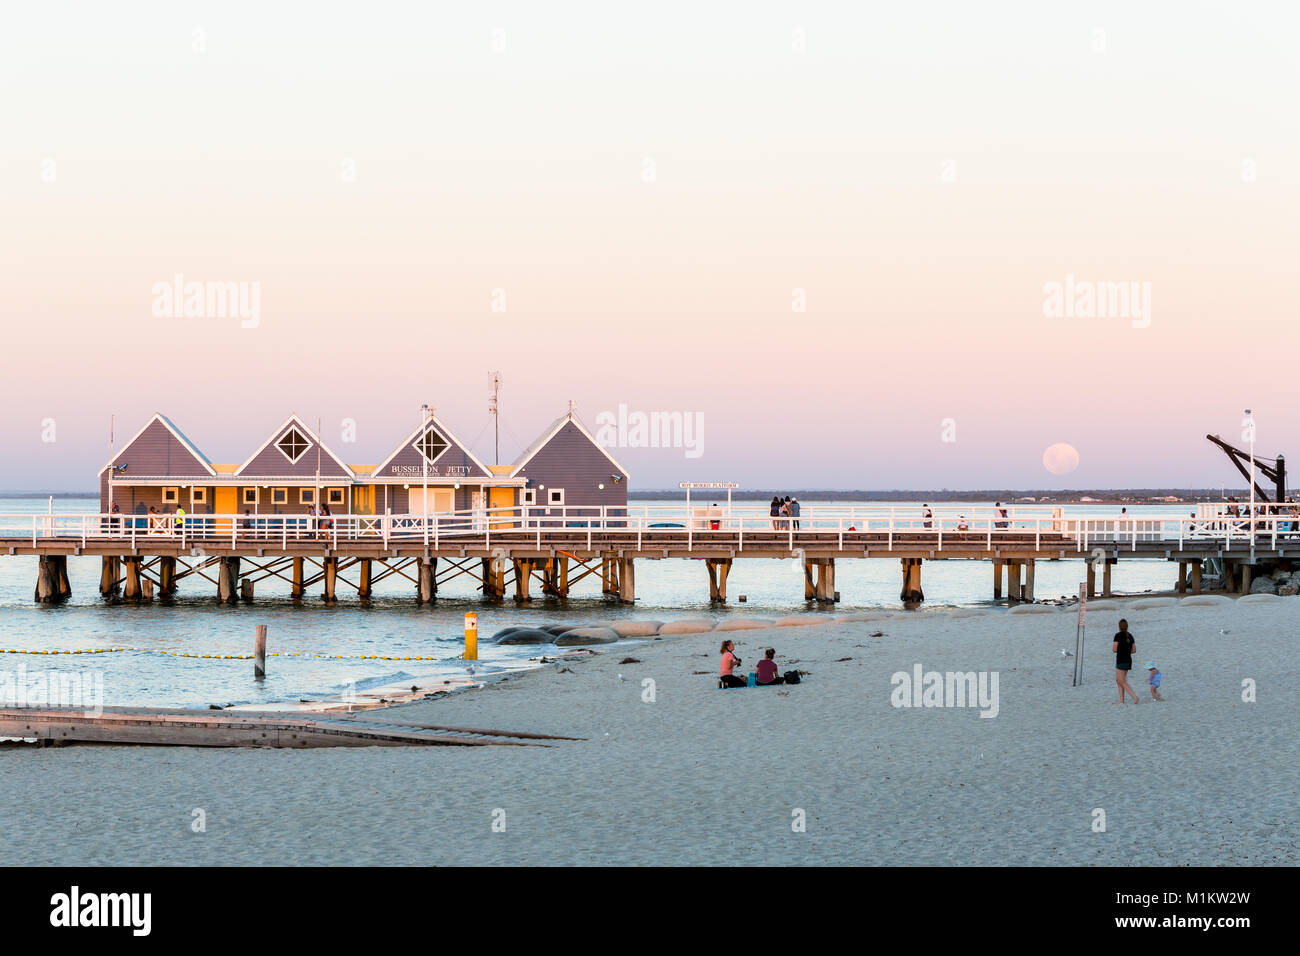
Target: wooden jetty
point(505, 549)
point(54, 726)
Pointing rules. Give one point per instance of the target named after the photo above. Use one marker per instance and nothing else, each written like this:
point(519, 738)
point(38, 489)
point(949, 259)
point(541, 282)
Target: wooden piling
point(523, 575)
point(329, 595)
point(246, 591)
point(718, 569)
point(825, 589)
point(809, 585)
point(166, 576)
point(363, 583)
point(911, 592)
point(1028, 594)
point(45, 584)
point(1105, 579)
point(227, 580)
point(146, 589)
point(259, 652)
point(426, 586)
point(998, 574)
point(131, 586)
point(296, 588)
point(1182, 577)
point(110, 576)
point(1092, 579)
point(1014, 588)
point(626, 580)
point(1196, 577)
point(1245, 577)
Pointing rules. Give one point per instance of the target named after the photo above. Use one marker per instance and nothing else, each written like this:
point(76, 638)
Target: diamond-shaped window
point(430, 445)
point(293, 445)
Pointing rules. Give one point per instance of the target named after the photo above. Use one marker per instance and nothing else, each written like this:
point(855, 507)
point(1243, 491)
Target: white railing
point(851, 526)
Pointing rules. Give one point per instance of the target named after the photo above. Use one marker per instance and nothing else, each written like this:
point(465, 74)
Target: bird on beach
point(621, 677)
point(1065, 653)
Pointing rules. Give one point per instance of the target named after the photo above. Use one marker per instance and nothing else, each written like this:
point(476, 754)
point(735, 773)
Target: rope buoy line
point(227, 657)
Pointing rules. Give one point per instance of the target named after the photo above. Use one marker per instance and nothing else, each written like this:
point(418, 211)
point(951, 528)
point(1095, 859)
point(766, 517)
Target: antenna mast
point(494, 409)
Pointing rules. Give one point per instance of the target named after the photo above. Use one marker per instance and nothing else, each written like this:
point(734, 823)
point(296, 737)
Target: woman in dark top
point(1124, 646)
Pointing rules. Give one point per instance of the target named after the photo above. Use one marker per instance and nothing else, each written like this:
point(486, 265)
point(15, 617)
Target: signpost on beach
point(471, 636)
point(1078, 635)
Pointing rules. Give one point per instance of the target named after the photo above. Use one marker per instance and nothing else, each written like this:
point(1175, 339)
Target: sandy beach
point(704, 776)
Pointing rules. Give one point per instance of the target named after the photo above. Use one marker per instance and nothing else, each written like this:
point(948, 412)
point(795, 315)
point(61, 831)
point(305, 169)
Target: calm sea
point(393, 625)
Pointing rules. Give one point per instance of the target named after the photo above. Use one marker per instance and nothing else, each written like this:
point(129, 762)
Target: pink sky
point(919, 175)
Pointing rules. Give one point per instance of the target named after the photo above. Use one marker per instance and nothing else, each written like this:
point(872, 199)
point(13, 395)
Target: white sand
point(704, 776)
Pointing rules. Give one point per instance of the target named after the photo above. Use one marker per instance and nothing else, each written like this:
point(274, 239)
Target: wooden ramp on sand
point(53, 726)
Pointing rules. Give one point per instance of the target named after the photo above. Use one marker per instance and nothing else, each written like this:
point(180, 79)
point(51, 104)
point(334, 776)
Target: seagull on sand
point(1065, 653)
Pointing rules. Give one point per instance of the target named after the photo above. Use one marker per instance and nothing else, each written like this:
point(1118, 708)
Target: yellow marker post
point(471, 636)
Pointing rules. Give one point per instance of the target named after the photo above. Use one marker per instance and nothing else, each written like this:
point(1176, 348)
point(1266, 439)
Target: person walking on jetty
point(1123, 648)
point(1153, 680)
point(729, 663)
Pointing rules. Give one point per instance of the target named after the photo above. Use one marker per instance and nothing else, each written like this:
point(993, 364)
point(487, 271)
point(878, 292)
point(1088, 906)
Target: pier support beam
point(494, 581)
point(131, 584)
point(609, 575)
point(825, 590)
point(555, 577)
point(1027, 593)
point(1092, 579)
point(1015, 590)
point(718, 569)
point(1245, 577)
point(52, 585)
point(809, 584)
point(166, 576)
point(331, 567)
point(246, 591)
point(999, 573)
point(227, 580)
point(1182, 577)
point(426, 586)
point(1105, 579)
point(523, 576)
point(1196, 577)
point(110, 576)
point(911, 592)
point(627, 580)
point(363, 582)
point(295, 590)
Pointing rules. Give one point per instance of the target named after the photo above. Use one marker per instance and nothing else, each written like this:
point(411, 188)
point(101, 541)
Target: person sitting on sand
point(729, 663)
point(767, 673)
point(1123, 647)
point(1153, 680)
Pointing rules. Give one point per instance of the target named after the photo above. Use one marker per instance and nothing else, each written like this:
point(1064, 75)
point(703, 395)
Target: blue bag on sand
point(753, 680)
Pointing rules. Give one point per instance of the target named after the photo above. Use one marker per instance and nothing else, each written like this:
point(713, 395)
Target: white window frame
point(446, 444)
point(243, 497)
point(550, 497)
point(530, 497)
point(306, 448)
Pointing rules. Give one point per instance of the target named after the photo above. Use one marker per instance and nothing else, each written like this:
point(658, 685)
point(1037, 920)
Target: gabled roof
point(436, 423)
point(554, 429)
point(179, 435)
point(297, 422)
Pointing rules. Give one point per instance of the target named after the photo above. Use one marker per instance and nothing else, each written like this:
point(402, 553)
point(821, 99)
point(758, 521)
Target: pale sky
point(650, 192)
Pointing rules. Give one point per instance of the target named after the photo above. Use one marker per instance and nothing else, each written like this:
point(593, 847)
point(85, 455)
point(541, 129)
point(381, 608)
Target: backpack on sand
point(791, 677)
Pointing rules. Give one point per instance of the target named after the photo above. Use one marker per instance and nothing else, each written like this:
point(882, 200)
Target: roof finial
point(573, 407)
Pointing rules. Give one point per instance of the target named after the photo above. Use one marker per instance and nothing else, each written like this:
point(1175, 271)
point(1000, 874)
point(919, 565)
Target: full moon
point(1061, 459)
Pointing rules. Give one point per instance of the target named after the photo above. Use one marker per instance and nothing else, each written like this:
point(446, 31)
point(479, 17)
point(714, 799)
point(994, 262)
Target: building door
point(226, 502)
point(441, 500)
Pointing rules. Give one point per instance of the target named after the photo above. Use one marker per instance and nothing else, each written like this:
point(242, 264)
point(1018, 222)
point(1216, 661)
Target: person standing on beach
point(729, 663)
point(1153, 680)
point(1123, 647)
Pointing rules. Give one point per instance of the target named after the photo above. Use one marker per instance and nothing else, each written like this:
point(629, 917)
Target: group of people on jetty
point(785, 513)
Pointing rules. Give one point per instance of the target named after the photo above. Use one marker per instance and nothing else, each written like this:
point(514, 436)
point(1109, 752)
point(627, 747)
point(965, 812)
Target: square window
point(250, 496)
point(336, 496)
point(306, 496)
point(199, 496)
point(555, 496)
point(171, 496)
point(431, 445)
point(530, 496)
point(279, 496)
point(293, 444)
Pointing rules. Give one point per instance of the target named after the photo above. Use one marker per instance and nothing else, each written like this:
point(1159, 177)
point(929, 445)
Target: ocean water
point(394, 626)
